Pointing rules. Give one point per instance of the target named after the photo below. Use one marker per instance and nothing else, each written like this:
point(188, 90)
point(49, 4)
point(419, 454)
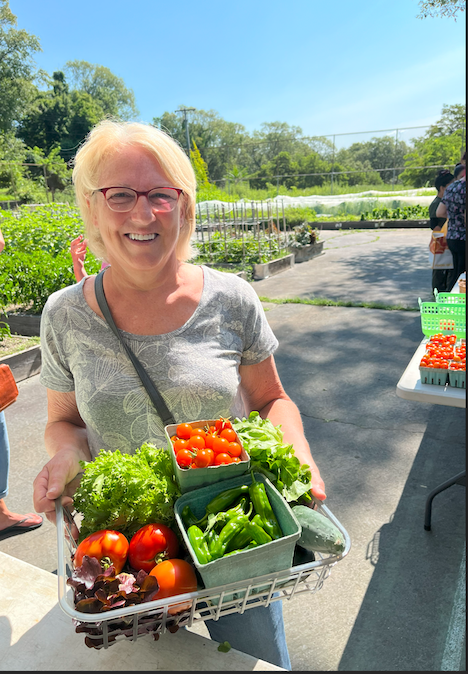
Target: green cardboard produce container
point(194, 478)
point(277, 555)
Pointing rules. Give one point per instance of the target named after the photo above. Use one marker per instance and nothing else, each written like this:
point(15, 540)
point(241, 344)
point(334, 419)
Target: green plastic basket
point(449, 298)
point(449, 319)
point(194, 478)
point(276, 555)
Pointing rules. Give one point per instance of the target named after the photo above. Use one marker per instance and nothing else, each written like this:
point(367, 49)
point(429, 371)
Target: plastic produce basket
point(194, 478)
point(449, 298)
point(457, 378)
point(276, 555)
point(101, 630)
point(449, 319)
point(432, 375)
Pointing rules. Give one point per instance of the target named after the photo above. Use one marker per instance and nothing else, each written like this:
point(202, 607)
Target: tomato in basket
point(107, 546)
point(150, 545)
point(175, 576)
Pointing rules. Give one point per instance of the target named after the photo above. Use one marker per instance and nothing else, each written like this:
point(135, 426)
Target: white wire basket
point(156, 617)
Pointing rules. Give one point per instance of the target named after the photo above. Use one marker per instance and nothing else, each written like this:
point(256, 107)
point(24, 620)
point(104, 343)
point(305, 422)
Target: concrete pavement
point(396, 602)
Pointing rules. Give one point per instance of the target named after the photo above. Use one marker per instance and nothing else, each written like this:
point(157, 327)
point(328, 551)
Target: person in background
point(444, 178)
point(202, 335)
point(78, 252)
point(453, 207)
point(11, 523)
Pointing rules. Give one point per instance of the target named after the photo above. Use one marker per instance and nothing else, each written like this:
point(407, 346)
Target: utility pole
point(185, 110)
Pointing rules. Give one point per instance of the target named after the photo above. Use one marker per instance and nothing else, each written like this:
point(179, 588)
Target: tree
point(105, 88)
point(441, 145)
point(199, 166)
point(440, 8)
point(379, 153)
point(17, 70)
point(58, 118)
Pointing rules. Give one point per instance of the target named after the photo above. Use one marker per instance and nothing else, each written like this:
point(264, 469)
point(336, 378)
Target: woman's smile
point(142, 237)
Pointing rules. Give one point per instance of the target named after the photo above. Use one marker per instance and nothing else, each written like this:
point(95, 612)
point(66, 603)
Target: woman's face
point(141, 239)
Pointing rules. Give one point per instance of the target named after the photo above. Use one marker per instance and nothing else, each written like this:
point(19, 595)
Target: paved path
point(396, 602)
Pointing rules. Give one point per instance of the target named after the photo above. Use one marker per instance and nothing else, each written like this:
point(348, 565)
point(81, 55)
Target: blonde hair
point(107, 139)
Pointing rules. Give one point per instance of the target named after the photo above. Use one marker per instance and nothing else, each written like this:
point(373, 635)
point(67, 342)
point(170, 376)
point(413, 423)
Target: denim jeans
point(258, 632)
point(4, 457)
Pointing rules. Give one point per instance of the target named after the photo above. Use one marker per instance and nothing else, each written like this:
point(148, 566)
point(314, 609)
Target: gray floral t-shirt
point(195, 368)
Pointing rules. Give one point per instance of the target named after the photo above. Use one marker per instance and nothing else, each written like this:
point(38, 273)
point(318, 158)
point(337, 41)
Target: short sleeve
point(259, 339)
point(55, 373)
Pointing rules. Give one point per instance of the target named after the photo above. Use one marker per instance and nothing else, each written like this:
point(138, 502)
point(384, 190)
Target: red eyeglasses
point(123, 199)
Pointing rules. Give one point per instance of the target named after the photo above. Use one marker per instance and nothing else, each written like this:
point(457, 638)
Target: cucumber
point(318, 533)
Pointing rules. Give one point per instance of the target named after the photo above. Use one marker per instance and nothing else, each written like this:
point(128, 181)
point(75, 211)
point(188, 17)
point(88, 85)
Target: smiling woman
point(201, 334)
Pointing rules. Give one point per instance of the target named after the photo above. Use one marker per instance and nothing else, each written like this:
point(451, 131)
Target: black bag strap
point(151, 389)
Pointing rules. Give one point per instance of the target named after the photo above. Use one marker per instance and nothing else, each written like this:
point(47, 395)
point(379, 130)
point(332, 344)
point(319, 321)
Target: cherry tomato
point(174, 438)
point(198, 431)
point(234, 449)
point(184, 458)
point(212, 430)
point(222, 457)
point(204, 458)
point(175, 576)
point(209, 440)
point(184, 431)
point(180, 444)
point(152, 544)
point(196, 442)
point(229, 433)
point(220, 445)
point(222, 423)
point(107, 546)
point(236, 459)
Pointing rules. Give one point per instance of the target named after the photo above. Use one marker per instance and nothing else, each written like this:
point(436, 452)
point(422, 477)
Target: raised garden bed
point(266, 269)
point(25, 363)
point(307, 252)
point(27, 325)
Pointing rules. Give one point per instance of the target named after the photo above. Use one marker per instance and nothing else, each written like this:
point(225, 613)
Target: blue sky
point(328, 67)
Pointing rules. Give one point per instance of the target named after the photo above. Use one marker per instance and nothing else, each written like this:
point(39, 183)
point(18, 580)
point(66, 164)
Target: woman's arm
point(262, 391)
point(441, 211)
point(67, 444)
point(78, 253)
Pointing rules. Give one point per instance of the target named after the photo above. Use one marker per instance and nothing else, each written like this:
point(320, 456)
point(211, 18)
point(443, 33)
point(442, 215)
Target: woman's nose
point(143, 211)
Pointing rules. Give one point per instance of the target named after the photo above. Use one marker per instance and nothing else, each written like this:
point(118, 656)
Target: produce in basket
point(203, 447)
point(318, 533)
point(174, 576)
point(107, 546)
point(126, 491)
point(150, 545)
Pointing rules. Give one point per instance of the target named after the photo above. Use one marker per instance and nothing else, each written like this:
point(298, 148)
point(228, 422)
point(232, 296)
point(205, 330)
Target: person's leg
point(4, 457)
point(258, 632)
point(7, 518)
point(457, 248)
point(439, 280)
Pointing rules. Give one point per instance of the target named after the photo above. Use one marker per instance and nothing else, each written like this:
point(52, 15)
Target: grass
point(17, 343)
point(324, 302)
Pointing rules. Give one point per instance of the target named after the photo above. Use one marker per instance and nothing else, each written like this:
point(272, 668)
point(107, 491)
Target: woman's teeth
point(141, 237)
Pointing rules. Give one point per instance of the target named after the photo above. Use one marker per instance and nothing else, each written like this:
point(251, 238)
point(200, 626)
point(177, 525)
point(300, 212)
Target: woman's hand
point(56, 479)
point(78, 252)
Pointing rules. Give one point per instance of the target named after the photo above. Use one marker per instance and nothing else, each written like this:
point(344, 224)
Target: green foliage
point(17, 71)
point(36, 260)
point(416, 212)
point(304, 235)
point(440, 8)
point(441, 145)
point(246, 251)
point(199, 166)
point(105, 88)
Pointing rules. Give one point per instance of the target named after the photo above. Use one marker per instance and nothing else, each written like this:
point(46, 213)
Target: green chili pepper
point(257, 532)
point(211, 538)
point(188, 518)
point(240, 540)
point(199, 544)
point(263, 508)
point(251, 545)
point(227, 533)
point(223, 500)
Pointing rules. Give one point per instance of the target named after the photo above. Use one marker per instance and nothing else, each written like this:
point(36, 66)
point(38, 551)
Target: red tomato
point(236, 459)
point(174, 438)
point(209, 440)
point(212, 430)
point(198, 431)
point(150, 545)
point(220, 445)
point(107, 546)
point(204, 458)
point(196, 442)
point(175, 576)
point(234, 449)
point(222, 457)
point(229, 433)
point(184, 458)
point(222, 423)
point(184, 431)
point(180, 444)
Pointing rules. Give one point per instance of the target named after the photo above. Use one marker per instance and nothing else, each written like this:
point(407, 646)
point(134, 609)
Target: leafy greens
point(270, 456)
point(126, 491)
